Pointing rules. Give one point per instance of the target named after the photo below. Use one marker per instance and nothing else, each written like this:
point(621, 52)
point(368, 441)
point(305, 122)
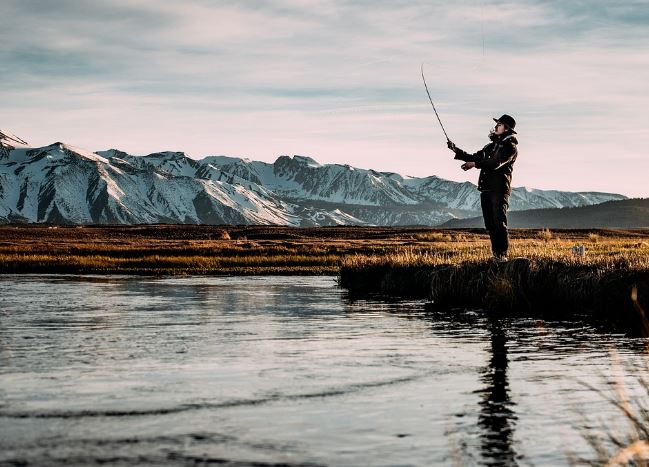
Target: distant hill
point(625, 214)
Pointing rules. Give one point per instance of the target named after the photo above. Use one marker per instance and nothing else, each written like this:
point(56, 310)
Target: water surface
point(287, 370)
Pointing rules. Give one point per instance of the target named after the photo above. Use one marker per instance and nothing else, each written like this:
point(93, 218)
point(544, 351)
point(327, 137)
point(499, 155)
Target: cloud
point(337, 79)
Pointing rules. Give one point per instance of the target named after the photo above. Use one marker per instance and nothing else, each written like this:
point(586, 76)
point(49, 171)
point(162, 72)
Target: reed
point(621, 440)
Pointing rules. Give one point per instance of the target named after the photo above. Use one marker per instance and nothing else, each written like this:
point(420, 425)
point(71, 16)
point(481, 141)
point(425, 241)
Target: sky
point(339, 81)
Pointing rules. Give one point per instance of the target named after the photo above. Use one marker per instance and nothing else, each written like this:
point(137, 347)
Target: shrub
point(545, 234)
point(221, 235)
point(433, 237)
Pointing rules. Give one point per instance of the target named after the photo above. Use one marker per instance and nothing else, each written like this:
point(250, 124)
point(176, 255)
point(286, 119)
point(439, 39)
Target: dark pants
point(494, 211)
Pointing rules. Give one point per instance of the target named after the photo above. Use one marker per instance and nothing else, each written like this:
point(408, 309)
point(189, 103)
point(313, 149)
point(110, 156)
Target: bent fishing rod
point(431, 103)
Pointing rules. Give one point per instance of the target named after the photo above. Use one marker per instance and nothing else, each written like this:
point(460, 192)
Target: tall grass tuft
point(545, 235)
point(222, 235)
point(433, 237)
point(615, 446)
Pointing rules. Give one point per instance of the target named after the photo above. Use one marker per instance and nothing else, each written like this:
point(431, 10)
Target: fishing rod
point(431, 103)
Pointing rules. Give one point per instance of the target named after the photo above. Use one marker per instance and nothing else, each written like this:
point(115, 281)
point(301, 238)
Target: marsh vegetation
point(191, 249)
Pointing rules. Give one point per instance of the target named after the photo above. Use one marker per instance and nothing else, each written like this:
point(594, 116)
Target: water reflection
point(497, 418)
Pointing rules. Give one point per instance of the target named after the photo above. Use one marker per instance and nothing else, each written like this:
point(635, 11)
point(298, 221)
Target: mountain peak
point(306, 160)
point(11, 141)
point(225, 160)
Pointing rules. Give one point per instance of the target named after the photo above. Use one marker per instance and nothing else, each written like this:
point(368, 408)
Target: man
point(496, 163)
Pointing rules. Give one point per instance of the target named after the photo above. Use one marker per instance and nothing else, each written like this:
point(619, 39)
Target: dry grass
point(176, 249)
point(433, 237)
point(606, 254)
point(630, 446)
point(625, 443)
point(196, 249)
point(545, 234)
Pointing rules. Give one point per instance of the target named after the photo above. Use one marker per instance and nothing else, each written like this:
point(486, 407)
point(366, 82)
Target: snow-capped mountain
point(65, 184)
point(301, 179)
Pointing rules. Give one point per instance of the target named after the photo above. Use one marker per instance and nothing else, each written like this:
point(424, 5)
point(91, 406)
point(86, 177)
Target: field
point(190, 249)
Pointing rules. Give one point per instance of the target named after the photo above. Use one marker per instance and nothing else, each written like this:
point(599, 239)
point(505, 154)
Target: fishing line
point(482, 29)
point(484, 43)
point(484, 53)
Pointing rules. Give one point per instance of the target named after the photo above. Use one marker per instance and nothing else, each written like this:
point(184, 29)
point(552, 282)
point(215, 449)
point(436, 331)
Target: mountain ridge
point(66, 184)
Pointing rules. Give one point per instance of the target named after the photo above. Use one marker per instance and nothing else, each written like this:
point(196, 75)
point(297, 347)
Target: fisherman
point(496, 163)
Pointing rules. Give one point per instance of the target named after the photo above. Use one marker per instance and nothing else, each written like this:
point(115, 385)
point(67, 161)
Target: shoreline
point(451, 267)
point(616, 296)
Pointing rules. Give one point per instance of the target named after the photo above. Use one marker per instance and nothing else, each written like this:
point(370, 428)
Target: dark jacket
point(495, 161)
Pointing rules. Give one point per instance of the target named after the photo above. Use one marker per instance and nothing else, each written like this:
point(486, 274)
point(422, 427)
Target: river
point(287, 370)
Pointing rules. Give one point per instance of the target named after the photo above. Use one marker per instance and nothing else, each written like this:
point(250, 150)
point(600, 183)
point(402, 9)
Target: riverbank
point(608, 286)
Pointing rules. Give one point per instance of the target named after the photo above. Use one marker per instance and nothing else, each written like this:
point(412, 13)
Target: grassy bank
point(610, 283)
